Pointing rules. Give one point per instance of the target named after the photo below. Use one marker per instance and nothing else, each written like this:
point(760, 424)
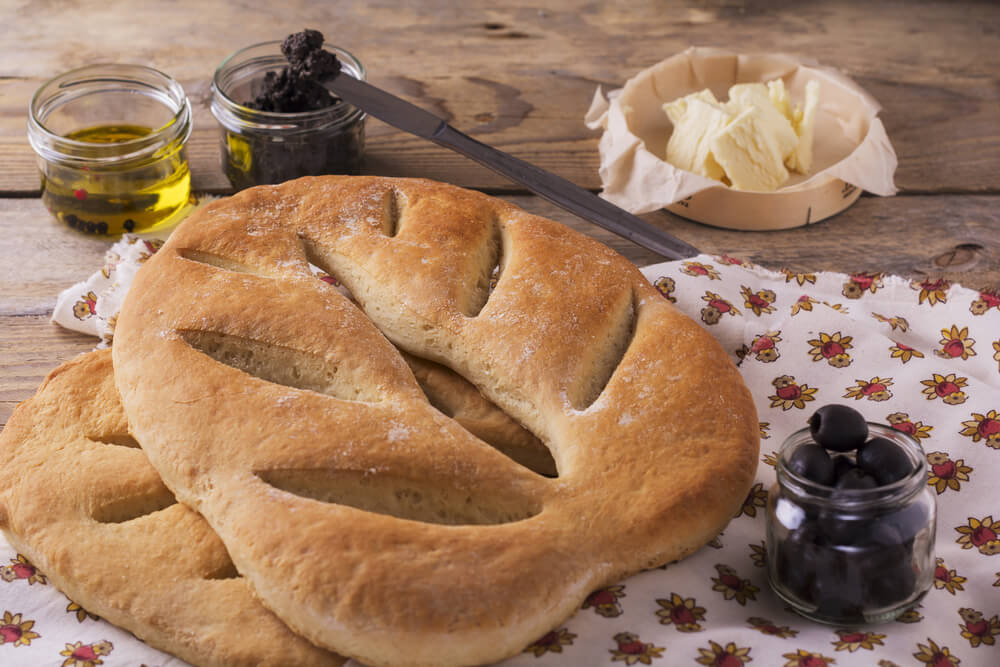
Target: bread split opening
point(281, 365)
point(489, 266)
point(220, 262)
point(606, 354)
point(116, 439)
point(392, 206)
point(225, 571)
point(459, 399)
point(424, 500)
point(130, 508)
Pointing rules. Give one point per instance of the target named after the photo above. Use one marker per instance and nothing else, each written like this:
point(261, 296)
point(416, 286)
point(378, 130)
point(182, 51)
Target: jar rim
point(53, 146)
point(234, 115)
point(855, 498)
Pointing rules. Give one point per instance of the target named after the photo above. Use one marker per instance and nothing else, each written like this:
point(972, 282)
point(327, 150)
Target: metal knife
point(405, 116)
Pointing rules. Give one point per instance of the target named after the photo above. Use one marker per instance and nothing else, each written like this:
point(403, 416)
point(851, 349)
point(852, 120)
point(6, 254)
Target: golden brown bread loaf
point(366, 519)
point(80, 500)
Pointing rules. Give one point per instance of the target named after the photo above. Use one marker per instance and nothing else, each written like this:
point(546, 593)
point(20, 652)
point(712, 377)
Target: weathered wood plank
point(522, 78)
point(948, 236)
point(922, 231)
point(30, 347)
point(41, 257)
point(918, 237)
point(938, 236)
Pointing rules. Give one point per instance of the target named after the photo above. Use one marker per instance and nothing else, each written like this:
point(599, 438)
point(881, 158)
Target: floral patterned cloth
point(92, 306)
point(923, 357)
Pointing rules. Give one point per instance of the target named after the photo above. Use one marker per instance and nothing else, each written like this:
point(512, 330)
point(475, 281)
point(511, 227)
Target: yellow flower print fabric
point(920, 356)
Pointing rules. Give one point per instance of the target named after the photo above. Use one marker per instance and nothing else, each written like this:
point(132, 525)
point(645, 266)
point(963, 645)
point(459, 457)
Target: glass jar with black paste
point(851, 555)
point(266, 147)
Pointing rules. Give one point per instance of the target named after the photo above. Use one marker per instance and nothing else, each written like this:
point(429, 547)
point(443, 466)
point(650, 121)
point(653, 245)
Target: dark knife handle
point(565, 194)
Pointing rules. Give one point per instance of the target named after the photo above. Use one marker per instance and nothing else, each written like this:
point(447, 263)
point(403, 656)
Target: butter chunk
point(689, 145)
point(675, 110)
point(749, 151)
point(778, 94)
point(743, 96)
point(804, 123)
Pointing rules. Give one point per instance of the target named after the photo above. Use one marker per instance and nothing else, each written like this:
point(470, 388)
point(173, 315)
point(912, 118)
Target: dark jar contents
point(851, 555)
point(261, 145)
point(111, 151)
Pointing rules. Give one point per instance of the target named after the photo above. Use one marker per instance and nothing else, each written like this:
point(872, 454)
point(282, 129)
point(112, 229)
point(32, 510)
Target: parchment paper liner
point(851, 150)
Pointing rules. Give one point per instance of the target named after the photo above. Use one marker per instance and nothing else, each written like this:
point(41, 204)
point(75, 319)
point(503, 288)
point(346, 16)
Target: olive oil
point(114, 195)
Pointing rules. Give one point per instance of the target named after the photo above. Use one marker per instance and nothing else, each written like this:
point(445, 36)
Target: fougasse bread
point(79, 499)
point(364, 517)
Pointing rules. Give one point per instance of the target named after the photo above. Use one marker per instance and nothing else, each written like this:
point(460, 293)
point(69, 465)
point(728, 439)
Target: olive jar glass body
point(111, 141)
point(851, 556)
point(264, 147)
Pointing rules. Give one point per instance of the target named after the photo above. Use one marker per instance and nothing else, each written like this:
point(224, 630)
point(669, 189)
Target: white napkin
point(92, 306)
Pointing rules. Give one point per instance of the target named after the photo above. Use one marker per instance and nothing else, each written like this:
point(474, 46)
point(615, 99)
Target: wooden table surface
point(521, 78)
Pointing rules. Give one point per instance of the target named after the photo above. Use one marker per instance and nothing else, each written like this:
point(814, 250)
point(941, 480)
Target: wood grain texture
point(30, 347)
point(521, 78)
point(915, 236)
point(41, 257)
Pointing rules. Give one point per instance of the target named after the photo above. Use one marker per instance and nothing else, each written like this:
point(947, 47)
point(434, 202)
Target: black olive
point(838, 589)
point(886, 461)
point(795, 563)
point(855, 478)
point(842, 531)
point(880, 533)
point(841, 464)
point(812, 462)
point(908, 521)
point(890, 575)
point(838, 427)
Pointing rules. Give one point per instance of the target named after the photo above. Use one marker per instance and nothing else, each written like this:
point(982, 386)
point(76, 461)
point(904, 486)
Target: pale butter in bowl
point(710, 94)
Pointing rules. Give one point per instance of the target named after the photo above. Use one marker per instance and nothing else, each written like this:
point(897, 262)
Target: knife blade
point(408, 117)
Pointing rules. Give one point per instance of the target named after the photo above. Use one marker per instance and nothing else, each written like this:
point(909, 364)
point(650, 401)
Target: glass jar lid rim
point(275, 117)
point(858, 497)
point(180, 118)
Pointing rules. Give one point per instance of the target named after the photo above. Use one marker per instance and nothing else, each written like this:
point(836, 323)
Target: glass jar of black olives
point(267, 147)
point(842, 552)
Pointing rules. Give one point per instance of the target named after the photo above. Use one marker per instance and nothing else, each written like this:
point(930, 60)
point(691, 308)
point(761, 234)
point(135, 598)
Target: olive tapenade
point(297, 86)
point(278, 121)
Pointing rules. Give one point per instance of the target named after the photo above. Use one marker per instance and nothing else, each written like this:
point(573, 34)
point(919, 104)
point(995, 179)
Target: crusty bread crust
point(365, 518)
point(82, 503)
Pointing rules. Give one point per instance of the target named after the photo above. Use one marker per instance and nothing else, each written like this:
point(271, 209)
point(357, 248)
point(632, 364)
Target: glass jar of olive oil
point(111, 143)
